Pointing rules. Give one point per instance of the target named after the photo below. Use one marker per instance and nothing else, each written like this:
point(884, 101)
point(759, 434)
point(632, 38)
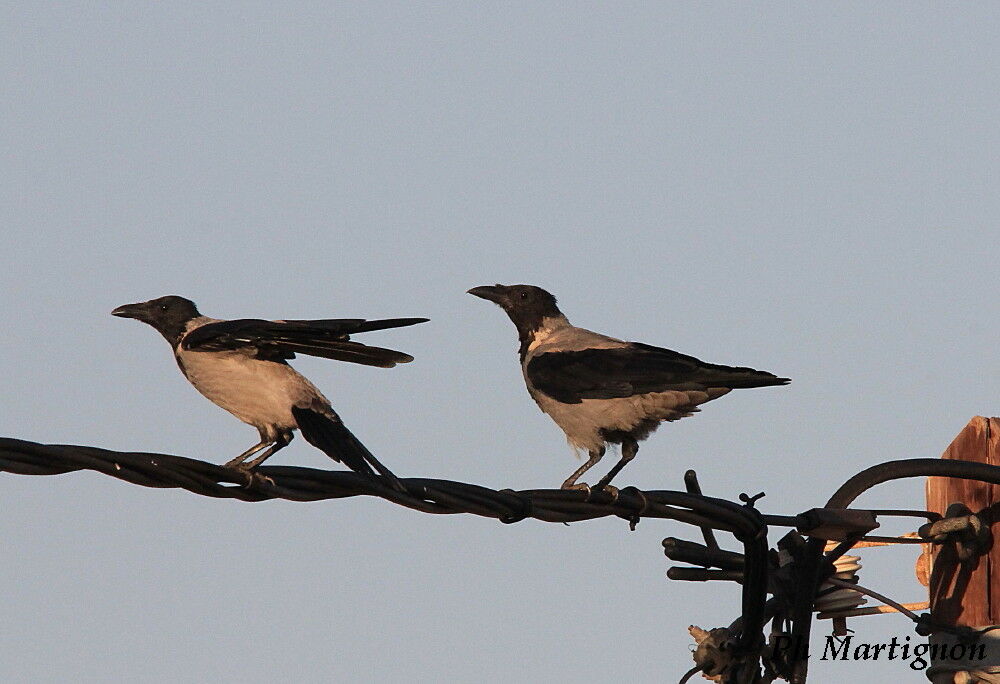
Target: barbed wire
point(437, 496)
point(749, 526)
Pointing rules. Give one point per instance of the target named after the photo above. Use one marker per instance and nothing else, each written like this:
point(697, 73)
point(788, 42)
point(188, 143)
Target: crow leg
point(630, 448)
point(238, 461)
point(280, 443)
point(595, 456)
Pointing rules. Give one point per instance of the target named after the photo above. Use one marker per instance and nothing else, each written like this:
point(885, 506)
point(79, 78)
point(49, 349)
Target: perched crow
point(602, 390)
point(242, 365)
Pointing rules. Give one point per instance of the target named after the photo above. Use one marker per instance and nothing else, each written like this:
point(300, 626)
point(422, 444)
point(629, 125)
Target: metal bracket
point(837, 524)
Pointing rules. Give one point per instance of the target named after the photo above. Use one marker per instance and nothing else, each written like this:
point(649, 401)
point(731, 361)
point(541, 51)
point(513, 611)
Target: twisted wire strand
point(295, 483)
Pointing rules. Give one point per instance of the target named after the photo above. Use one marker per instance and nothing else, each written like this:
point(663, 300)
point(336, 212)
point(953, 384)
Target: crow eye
point(524, 295)
point(163, 307)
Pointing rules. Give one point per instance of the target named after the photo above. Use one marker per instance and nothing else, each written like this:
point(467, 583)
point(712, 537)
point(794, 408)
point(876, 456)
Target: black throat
point(172, 331)
point(526, 335)
point(528, 322)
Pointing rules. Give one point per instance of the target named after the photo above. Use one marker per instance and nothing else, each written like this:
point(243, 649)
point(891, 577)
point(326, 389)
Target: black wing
point(572, 376)
point(278, 340)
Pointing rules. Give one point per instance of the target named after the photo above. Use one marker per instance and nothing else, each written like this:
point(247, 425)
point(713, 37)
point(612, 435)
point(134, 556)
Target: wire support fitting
point(965, 529)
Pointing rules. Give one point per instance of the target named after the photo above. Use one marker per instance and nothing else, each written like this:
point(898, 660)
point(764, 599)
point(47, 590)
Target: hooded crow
point(601, 390)
point(242, 366)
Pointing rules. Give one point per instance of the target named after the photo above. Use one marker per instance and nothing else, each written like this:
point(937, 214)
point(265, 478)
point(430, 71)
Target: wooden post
point(966, 593)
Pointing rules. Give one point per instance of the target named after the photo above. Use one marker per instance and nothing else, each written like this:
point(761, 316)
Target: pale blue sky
point(806, 189)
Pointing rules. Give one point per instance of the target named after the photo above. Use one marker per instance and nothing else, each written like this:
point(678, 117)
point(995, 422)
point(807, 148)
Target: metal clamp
point(965, 529)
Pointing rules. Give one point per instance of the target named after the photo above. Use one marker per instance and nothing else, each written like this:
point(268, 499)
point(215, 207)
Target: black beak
point(491, 293)
point(136, 311)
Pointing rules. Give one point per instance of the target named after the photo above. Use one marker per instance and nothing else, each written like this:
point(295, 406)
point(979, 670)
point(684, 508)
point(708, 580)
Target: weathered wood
point(968, 593)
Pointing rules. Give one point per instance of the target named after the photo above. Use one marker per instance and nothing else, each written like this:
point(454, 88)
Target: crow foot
point(579, 487)
point(249, 470)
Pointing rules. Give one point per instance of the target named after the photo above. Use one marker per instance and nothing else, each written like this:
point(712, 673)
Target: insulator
point(838, 598)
